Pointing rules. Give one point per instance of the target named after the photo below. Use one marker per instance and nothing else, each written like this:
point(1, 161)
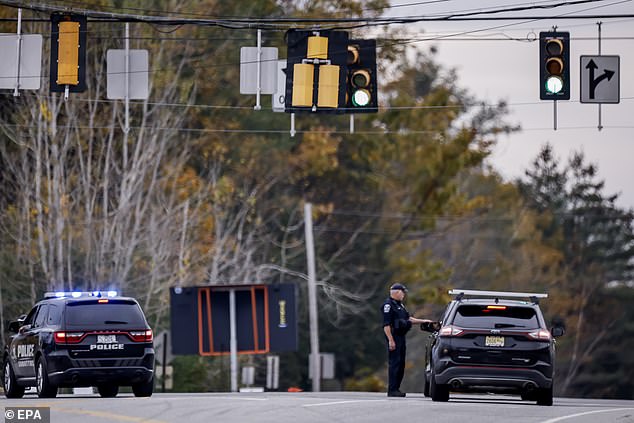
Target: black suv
point(491, 343)
point(80, 339)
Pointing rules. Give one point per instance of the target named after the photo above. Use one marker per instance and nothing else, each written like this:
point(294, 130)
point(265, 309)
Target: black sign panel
point(266, 319)
point(184, 320)
point(282, 317)
point(297, 51)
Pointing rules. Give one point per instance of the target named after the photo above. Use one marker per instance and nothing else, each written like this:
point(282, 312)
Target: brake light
point(102, 301)
point(496, 307)
point(141, 335)
point(541, 335)
point(450, 331)
point(68, 337)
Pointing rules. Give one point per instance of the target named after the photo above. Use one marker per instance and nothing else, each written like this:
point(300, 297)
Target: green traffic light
point(361, 98)
point(554, 84)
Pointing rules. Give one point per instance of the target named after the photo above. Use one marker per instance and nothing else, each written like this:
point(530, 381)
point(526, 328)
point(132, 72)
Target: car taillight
point(68, 337)
point(141, 335)
point(450, 331)
point(541, 335)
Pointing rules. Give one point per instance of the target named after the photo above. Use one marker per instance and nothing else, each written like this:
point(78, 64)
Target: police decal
point(106, 347)
point(386, 308)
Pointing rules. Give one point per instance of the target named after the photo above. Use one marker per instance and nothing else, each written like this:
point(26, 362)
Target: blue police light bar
point(79, 294)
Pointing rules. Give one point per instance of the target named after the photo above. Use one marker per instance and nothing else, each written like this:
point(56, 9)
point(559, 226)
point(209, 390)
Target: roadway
point(306, 407)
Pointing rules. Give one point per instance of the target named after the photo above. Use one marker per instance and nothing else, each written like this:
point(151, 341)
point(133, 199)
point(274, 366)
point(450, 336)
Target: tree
point(596, 242)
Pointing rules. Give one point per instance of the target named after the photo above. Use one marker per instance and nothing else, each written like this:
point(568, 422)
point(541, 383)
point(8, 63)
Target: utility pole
point(233, 340)
point(312, 299)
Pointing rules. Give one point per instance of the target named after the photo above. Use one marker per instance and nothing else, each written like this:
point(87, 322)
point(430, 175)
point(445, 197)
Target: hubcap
point(39, 377)
point(7, 377)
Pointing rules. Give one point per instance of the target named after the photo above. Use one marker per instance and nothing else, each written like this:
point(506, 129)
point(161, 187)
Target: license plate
point(106, 339)
point(494, 341)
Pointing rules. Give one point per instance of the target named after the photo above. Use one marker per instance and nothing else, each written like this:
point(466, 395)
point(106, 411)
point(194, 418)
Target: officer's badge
point(386, 308)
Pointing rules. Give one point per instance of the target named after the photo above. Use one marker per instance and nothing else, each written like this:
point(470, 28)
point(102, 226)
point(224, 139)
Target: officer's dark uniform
point(397, 317)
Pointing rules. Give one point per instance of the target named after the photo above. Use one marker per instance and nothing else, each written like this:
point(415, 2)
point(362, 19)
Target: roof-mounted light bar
point(459, 293)
point(78, 294)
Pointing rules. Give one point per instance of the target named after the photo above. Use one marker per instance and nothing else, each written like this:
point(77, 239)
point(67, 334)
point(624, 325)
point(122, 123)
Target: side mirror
point(558, 331)
point(14, 326)
point(430, 326)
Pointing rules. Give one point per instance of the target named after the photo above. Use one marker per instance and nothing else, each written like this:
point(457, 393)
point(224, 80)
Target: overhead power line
point(280, 23)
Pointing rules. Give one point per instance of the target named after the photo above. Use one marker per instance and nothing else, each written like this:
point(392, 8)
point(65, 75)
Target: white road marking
point(340, 402)
point(571, 416)
point(206, 398)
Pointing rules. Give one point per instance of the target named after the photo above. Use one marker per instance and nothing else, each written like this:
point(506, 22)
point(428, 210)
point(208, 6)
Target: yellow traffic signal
point(328, 91)
point(303, 82)
point(68, 53)
point(315, 71)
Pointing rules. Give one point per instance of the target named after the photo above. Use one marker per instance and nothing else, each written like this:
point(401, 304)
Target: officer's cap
point(398, 286)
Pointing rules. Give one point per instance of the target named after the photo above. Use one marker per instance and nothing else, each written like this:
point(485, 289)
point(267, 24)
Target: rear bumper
point(486, 377)
point(73, 372)
point(75, 377)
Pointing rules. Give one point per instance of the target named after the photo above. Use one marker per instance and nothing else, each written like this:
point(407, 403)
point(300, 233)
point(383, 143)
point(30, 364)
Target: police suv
point(492, 342)
point(78, 340)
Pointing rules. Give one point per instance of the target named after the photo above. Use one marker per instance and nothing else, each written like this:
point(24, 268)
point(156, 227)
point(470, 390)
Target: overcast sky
point(509, 70)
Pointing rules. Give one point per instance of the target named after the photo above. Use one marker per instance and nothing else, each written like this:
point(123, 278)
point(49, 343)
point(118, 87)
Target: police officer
point(396, 323)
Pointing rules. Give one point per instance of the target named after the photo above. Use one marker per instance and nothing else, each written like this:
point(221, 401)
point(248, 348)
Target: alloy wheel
point(7, 377)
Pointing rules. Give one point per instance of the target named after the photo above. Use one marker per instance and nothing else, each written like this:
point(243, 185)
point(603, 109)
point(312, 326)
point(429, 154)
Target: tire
point(10, 383)
point(108, 391)
point(45, 389)
point(144, 389)
point(438, 392)
point(545, 396)
point(529, 396)
point(425, 385)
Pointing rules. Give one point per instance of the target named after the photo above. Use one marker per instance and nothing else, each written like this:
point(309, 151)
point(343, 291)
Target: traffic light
point(361, 84)
point(554, 65)
point(68, 53)
point(315, 71)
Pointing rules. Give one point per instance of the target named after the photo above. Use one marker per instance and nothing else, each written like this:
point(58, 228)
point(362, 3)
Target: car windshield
point(496, 317)
point(103, 315)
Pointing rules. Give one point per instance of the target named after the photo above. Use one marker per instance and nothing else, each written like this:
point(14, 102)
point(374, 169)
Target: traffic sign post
point(600, 79)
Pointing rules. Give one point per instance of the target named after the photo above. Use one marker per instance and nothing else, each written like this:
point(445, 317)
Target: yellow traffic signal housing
point(303, 82)
point(68, 53)
point(317, 48)
point(315, 71)
point(328, 92)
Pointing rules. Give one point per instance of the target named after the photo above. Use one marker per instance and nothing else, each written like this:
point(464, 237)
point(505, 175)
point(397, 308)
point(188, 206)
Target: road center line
point(106, 415)
point(571, 416)
point(339, 402)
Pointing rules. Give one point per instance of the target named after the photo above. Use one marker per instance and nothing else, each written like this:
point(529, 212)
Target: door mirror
point(14, 326)
point(430, 326)
point(558, 331)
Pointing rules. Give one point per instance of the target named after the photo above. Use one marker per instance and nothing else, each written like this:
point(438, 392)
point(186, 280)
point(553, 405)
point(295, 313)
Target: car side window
point(447, 311)
point(31, 316)
point(54, 315)
point(40, 318)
